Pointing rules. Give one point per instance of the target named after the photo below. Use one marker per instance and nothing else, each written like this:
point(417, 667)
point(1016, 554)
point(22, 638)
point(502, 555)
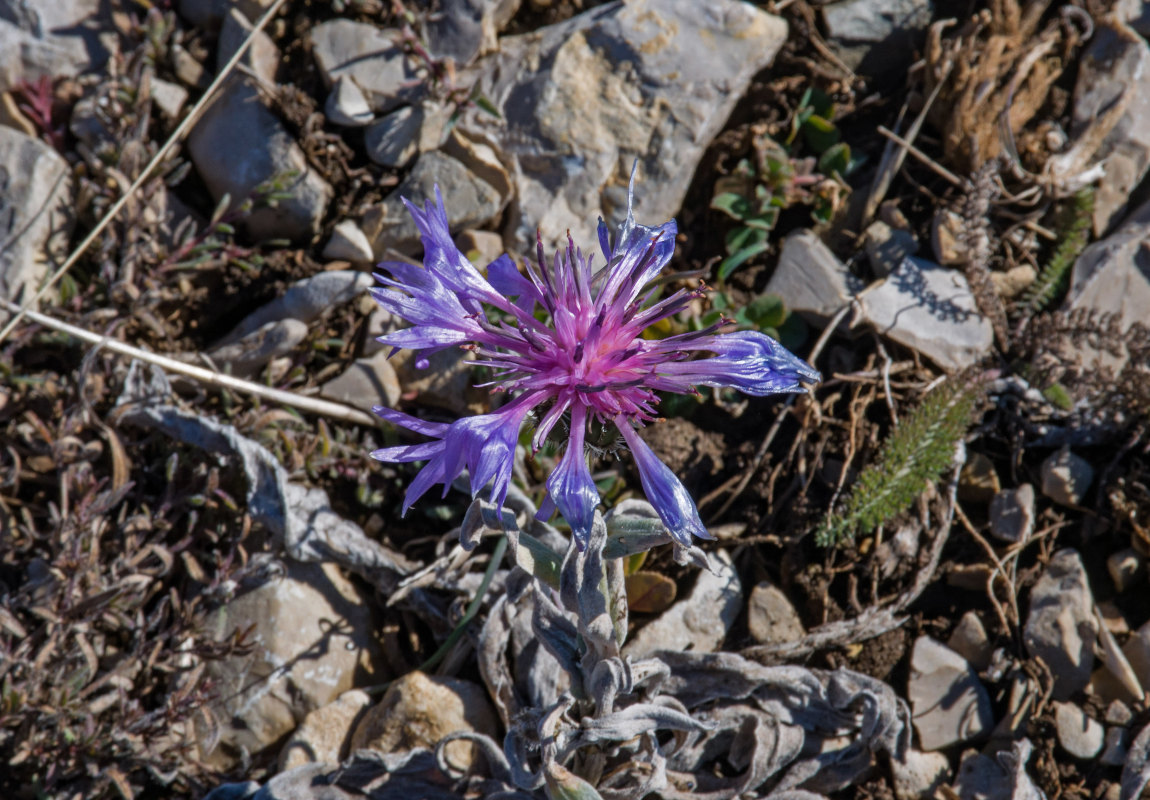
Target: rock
point(379, 323)
point(367, 382)
point(188, 68)
point(1115, 69)
point(324, 734)
point(52, 40)
point(698, 622)
point(1118, 713)
point(418, 710)
point(313, 637)
point(480, 247)
point(262, 57)
point(946, 237)
point(970, 641)
point(471, 203)
point(1126, 567)
point(1134, 13)
point(871, 35)
point(305, 300)
point(886, 247)
point(447, 381)
point(483, 162)
point(394, 140)
point(210, 13)
point(1066, 477)
point(810, 279)
point(929, 309)
point(465, 29)
point(1137, 652)
point(346, 105)
point(919, 774)
point(248, 355)
point(348, 243)
point(1117, 747)
point(371, 57)
point(1012, 514)
point(981, 778)
point(11, 116)
point(771, 619)
point(169, 98)
point(948, 702)
point(1079, 735)
point(581, 100)
point(36, 214)
point(1061, 627)
point(1012, 283)
point(978, 482)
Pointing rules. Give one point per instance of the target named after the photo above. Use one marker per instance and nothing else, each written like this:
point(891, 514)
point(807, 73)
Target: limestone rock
point(699, 621)
point(1126, 567)
point(305, 300)
point(348, 243)
point(480, 247)
point(771, 619)
point(970, 641)
point(919, 774)
point(465, 29)
point(393, 140)
point(1079, 734)
point(811, 279)
point(469, 201)
point(367, 382)
point(1012, 514)
point(169, 98)
point(930, 309)
point(1066, 477)
point(313, 637)
point(210, 13)
point(1060, 625)
point(1117, 747)
point(372, 58)
point(418, 710)
point(582, 99)
point(55, 39)
point(325, 733)
point(1016, 280)
point(886, 247)
point(250, 353)
point(36, 214)
point(949, 704)
point(346, 104)
point(868, 35)
point(262, 57)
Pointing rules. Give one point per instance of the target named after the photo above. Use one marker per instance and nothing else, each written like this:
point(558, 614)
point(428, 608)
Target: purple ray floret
point(587, 362)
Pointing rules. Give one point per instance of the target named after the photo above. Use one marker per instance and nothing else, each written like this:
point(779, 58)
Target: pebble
point(1066, 477)
point(1012, 514)
point(886, 247)
point(771, 619)
point(480, 247)
point(348, 243)
point(36, 213)
point(56, 39)
point(346, 104)
point(1061, 627)
point(1117, 747)
point(1127, 566)
point(810, 279)
point(418, 710)
point(312, 632)
point(877, 37)
point(169, 98)
point(323, 735)
point(466, 29)
point(948, 703)
point(919, 774)
point(698, 622)
point(1080, 735)
point(393, 140)
point(305, 300)
point(251, 352)
point(946, 238)
point(379, 323)
point(1014, 281)
point(367, 382)
point(970, 641)
point(372, 57)
point(931, 310)
point(1118, 713)
point(262, 56)
point(978, 482)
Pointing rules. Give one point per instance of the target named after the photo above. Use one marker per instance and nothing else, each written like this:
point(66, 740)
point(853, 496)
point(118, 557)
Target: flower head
point(588, 361)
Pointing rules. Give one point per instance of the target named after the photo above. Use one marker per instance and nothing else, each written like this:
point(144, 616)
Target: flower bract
point(565, 341)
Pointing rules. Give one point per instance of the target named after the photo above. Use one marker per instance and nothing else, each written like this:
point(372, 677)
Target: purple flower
point(587, 361)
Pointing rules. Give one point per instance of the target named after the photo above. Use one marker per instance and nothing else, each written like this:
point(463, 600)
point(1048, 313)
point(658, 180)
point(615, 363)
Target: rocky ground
point(930, 574)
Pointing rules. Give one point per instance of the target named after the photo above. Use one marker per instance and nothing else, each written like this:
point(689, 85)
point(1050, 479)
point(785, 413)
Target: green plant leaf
point(744, 237)
point(820, 134)
point(767, 311)
point(835, 159)
point(733, 262)
point(733, 205)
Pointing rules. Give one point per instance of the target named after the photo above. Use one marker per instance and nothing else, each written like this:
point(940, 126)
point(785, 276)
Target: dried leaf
point(650, 592)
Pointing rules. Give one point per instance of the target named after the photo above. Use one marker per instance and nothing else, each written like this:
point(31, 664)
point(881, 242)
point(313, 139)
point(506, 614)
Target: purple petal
point(664, 491)
point(749, 361)
point(508, 281)
point(570, 486)
point(411, 423)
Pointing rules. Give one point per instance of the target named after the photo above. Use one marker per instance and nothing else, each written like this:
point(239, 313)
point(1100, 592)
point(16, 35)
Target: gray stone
point(981, 778)
point(1080, 735)
point(470, 202)
point(1117, 747)
point(876, 37)
point(262, 57)
point(348, 243)
point(948, 703)
point(1061, 627)
point(1118, 713)
point(394, 139)
point(305, 300)
point(1115, 69)
point(447, 381)
point(970, 641)
point(698, 622)
point(581, 100)
point(918, 774)
point(188, 69)
point(1136, 14)
point(53, 40)
point(169, 98)
point(1016, 280)
point(1066, 477)
point(347, 106)
point(886, 247)
point(1137, 652)
point(810, 279)
point(324, 735)
point(367, 382)
point(371, 57)
point(465, 29)
point(418, 710)
point(931, 310)
point(771, 619)
point(1126, 567)
point(1012, 514)
point(314, 637)
point(379, 322)
point(210, 13)
point(36, 214)
point(252, 351)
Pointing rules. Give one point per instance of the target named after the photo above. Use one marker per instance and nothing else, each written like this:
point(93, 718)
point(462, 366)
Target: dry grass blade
point(177, 136)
